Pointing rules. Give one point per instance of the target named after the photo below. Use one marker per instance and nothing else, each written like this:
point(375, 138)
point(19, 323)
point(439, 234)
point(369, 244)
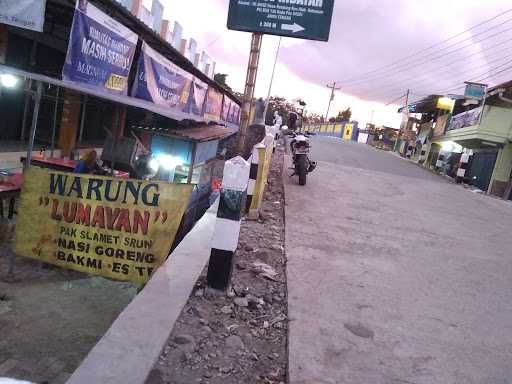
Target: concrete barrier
point(132, 345)
point(262, 155)
point(227, 227)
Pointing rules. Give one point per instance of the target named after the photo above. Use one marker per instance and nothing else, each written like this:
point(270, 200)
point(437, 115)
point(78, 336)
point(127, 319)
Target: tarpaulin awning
point(124, 100)
point(201, 133)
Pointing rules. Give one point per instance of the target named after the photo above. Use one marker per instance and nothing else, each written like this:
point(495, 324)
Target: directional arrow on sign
point(292, 27)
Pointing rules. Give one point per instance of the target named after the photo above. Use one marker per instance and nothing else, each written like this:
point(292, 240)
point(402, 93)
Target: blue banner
point(160, 81)
point(100, 51)
point(226, 106)
point(234, 113)
point(197, 98)
point(213, 106)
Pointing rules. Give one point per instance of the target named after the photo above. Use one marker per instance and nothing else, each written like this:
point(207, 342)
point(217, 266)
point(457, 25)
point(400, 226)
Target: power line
point(466, 59)
point(397, 99)
point(430, 47)
point(214, 41)
point(487, 75)
point(492, 70)
point(495, 74)
point(444, 74)
point(400, 69)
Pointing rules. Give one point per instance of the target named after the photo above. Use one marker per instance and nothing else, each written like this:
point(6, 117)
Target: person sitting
point(87, 163)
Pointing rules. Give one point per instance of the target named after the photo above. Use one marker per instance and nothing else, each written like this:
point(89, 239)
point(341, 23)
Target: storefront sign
point(116, 228)
point(100, 52)
point(27, 14)
point(197, 98)
point(306, 19)
point(475, 90)
point(161, 81)
point(213, 106)
point(445, 103)
point(441, 124)
point(465, 119)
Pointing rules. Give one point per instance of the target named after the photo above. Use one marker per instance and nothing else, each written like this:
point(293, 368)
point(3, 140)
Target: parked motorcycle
point(301, 147)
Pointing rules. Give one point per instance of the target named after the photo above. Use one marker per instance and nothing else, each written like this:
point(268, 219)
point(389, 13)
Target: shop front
point(78, 86)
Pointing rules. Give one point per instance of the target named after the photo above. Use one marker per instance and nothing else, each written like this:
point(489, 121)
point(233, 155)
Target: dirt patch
point(50, 318)
point(241, 336)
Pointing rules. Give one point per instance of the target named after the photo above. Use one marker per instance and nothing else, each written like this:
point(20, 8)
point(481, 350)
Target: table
point(64, 165)
point(10, 188)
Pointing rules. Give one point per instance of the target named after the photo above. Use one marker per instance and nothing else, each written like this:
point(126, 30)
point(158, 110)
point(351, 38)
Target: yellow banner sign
point(446, 103)
point(347, 135)
point(117, 228)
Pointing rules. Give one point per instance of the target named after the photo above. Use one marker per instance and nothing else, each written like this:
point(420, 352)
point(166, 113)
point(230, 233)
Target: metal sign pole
point(250, 83)
point(484, 100)
point(272, 79)
point(35, 116)
point(82, 119)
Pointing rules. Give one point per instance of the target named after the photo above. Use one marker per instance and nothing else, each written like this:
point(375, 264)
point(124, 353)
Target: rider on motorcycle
point(292, 121)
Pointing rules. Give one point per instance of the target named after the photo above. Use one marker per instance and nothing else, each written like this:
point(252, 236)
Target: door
point(481, 168)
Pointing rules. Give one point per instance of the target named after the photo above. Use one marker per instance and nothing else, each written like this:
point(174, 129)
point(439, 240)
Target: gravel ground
point(50, 317)
point(240, 336)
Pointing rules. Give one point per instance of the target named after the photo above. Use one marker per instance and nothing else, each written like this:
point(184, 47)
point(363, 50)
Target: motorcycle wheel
point(302, 169)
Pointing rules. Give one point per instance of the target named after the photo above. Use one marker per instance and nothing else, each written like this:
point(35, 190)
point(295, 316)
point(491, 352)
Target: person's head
point(83, 5)
point(276, 113)
point(90, 157)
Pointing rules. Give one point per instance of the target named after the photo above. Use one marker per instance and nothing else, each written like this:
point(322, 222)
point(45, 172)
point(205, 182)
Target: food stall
point(10, 188)
point(187, 156)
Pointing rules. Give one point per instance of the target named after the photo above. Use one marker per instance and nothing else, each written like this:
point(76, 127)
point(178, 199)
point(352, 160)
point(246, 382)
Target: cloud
point(371, 33)
point(365, 34)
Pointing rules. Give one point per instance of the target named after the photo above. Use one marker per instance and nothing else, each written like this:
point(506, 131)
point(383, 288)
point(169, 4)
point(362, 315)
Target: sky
point(365, 35)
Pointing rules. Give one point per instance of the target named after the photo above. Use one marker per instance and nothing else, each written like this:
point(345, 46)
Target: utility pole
point(407, 100)
point(272, 80)
point(333, 88)
point(404, 123)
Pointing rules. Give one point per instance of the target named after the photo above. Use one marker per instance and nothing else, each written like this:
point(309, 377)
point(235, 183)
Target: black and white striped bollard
point(461, 172)
point(253, 175)
point(227, 227)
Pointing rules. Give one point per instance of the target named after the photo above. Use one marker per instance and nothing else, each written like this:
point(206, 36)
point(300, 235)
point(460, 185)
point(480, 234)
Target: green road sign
point(304, 19)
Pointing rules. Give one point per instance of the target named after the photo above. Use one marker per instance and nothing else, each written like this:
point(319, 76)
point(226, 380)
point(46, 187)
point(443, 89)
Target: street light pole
point(272, 80)
point(333, 88)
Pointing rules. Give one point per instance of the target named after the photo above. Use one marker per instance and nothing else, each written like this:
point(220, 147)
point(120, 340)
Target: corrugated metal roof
point(197, 134)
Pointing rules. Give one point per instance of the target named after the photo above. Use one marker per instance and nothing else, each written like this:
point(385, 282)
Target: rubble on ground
point(239, 336)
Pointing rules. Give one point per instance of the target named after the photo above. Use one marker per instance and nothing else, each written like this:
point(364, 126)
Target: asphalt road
point(394, 275)
point(365, 157)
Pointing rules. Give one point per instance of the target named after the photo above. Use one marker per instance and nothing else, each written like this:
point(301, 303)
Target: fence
point(330, 129)
point(346, 130)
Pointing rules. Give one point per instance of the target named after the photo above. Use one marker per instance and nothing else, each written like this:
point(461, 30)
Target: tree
point(283, 106)
point(221, 78)
point(313, 118)
point(344, 116)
